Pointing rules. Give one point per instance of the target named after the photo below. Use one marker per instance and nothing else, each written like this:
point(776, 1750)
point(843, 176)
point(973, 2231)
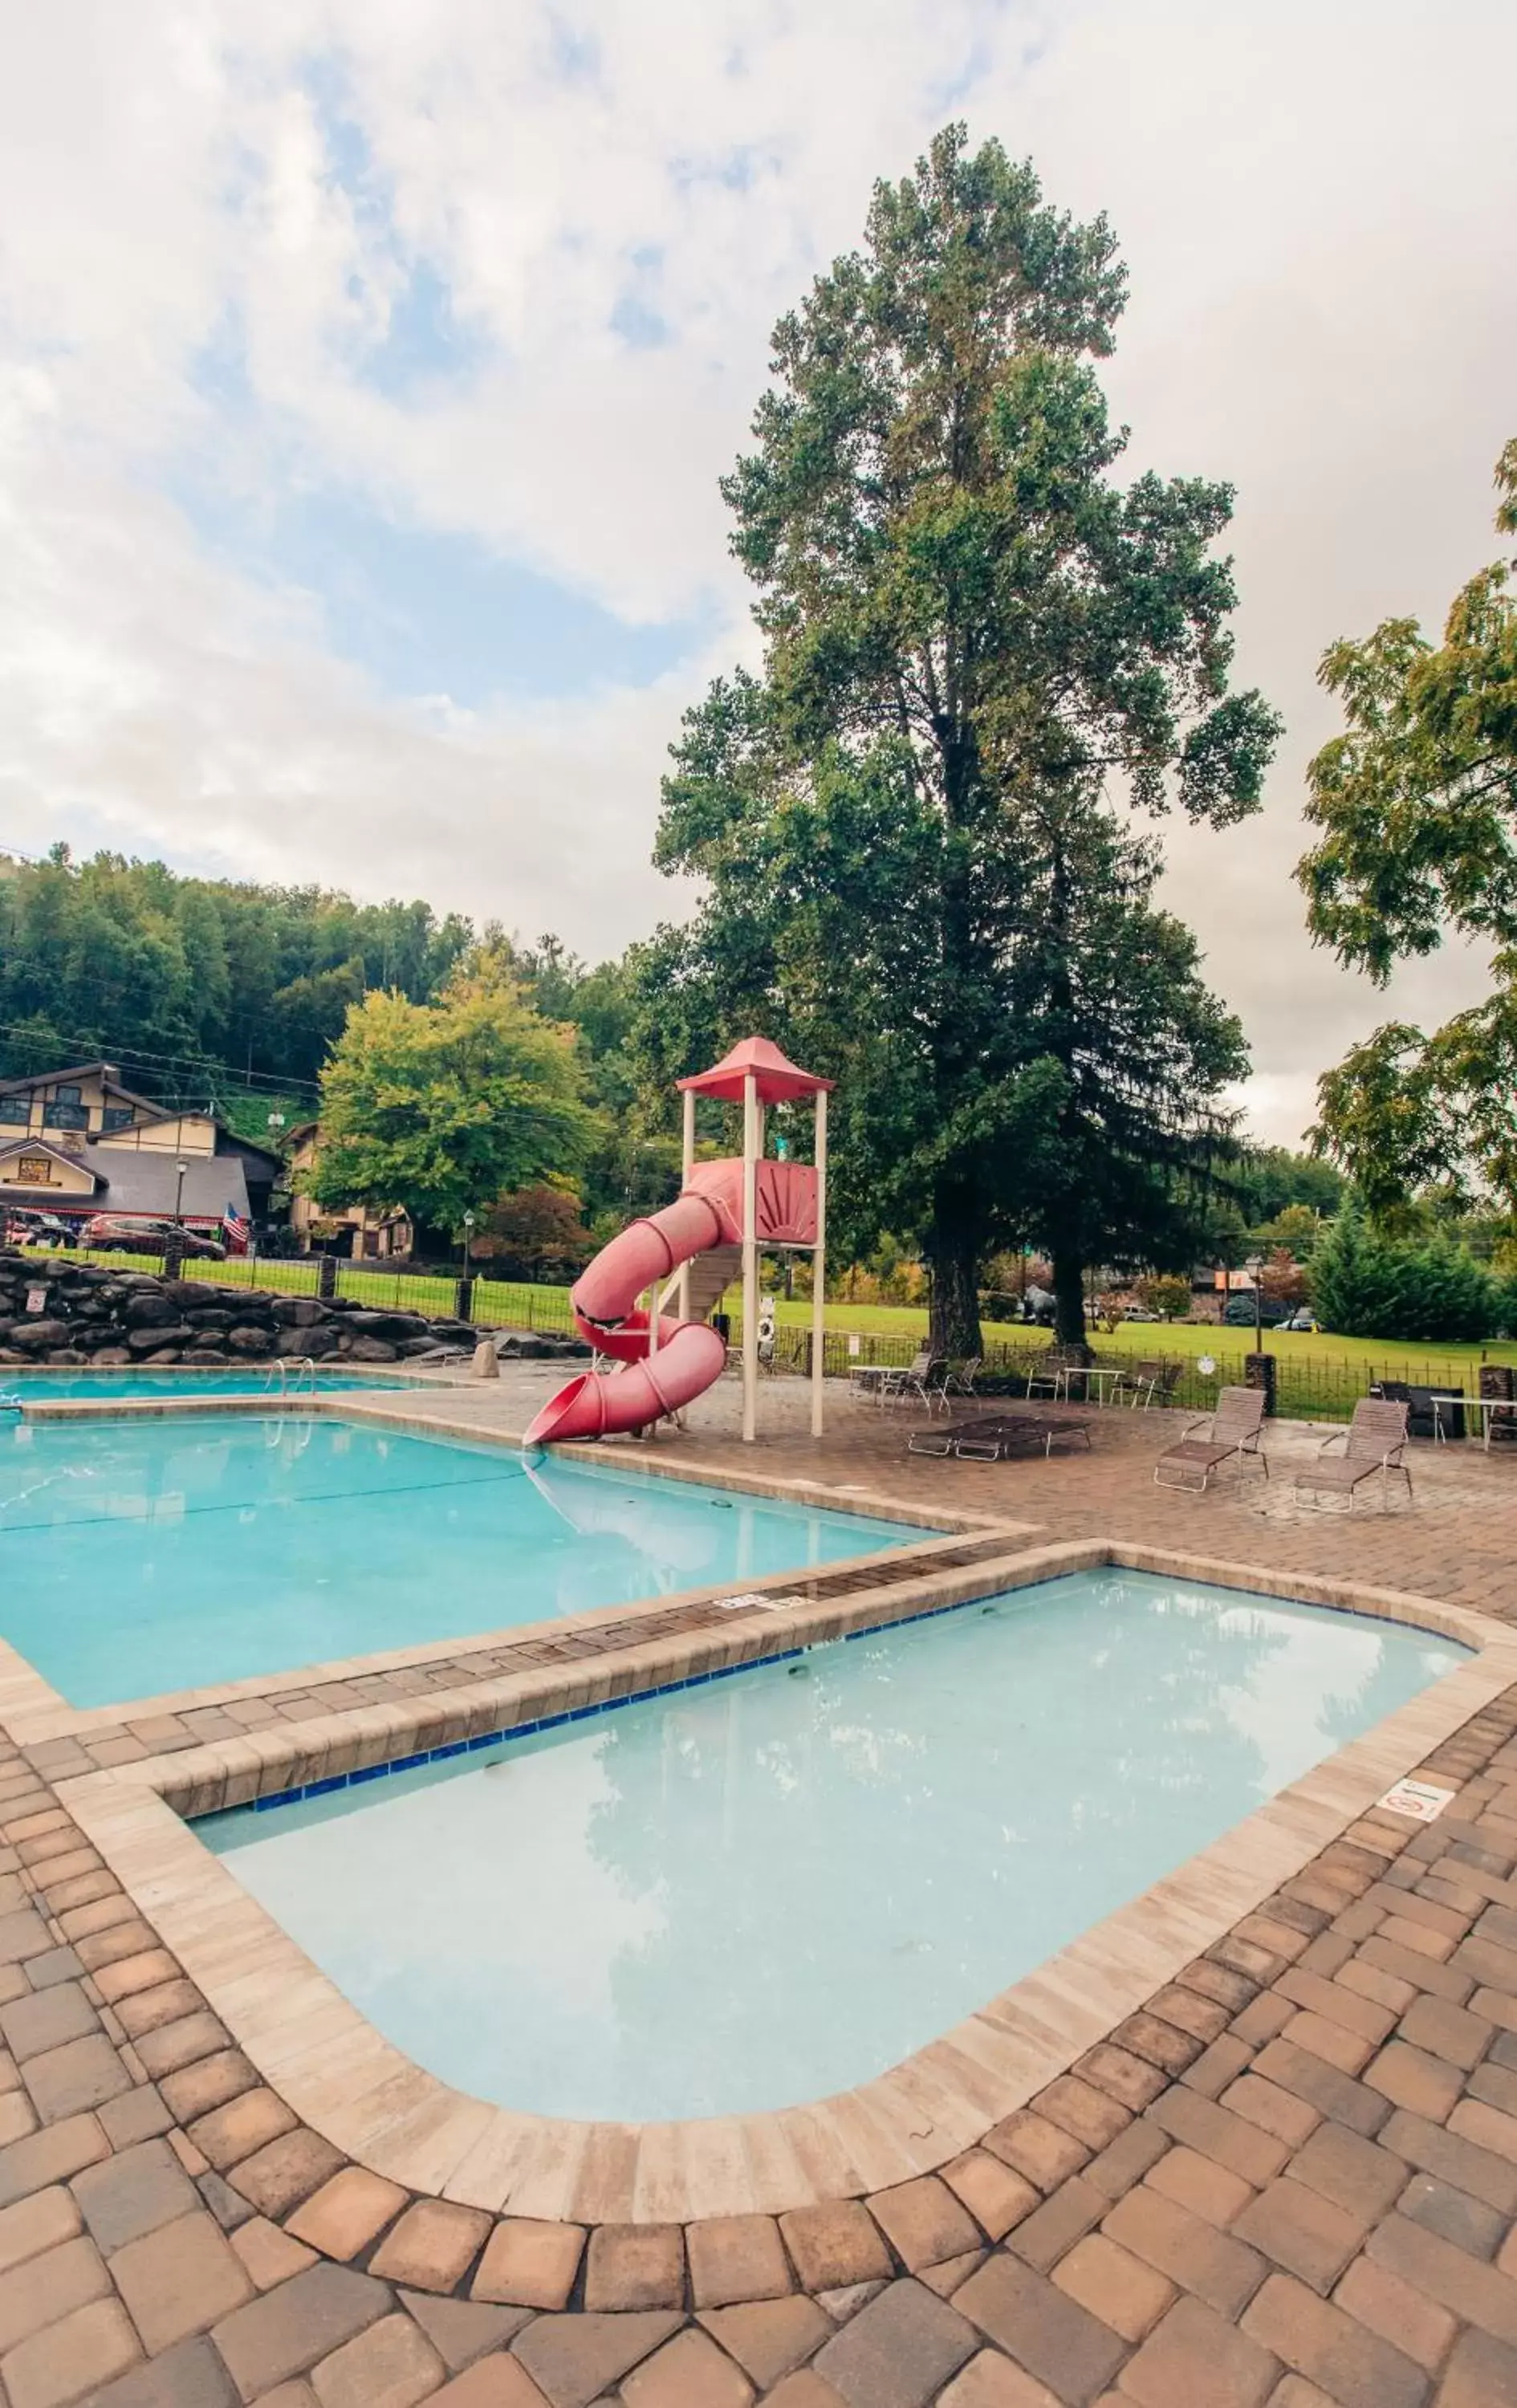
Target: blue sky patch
point(426, 612)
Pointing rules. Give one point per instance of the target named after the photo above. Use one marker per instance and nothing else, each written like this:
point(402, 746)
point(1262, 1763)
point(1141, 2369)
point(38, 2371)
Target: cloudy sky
point(367, 368)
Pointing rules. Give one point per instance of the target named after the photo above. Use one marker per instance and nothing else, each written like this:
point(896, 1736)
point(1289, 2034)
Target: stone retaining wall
point(112, 1319)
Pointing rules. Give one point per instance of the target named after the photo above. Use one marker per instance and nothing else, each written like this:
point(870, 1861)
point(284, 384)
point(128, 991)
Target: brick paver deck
point(1290, 2179)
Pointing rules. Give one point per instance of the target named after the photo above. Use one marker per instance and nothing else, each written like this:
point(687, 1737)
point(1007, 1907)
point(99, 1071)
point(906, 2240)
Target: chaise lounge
point(993, 1438)
point(1233, 1433)
point(1374, 1442)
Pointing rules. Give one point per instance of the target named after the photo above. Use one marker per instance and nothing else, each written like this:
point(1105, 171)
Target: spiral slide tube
point(689, 1355)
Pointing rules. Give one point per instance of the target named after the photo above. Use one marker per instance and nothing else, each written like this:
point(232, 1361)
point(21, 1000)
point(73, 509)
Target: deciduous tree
point(1417, 805)
point(439, 1108)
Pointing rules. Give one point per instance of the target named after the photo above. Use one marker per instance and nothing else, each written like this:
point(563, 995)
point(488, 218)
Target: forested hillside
point(194, 986)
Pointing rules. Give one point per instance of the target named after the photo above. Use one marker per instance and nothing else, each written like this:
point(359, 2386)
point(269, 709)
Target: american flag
point(236, 1229)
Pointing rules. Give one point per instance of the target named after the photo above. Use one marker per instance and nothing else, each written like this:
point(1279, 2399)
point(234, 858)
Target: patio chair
point(1233, 1433)
point(1374, 1442)
point(959, 1377)
point(922, 1379)
point(875, 1381)
point(1151, 1382)
point(1052, 1368)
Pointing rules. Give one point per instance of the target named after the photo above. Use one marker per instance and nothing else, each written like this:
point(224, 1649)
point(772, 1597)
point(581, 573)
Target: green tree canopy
point(196, 986)
point(442, 1108)
point(979, 650)
point(1417, 805)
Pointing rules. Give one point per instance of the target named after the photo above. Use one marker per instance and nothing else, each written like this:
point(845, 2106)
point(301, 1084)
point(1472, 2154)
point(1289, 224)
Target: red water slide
point(689, 1357)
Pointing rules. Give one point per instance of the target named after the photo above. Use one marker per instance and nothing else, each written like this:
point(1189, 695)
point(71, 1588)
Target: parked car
point(119, 1234)
point(1137, 1312)
point(24, 1228)
point(1239, 1312)
point(1300, 1319)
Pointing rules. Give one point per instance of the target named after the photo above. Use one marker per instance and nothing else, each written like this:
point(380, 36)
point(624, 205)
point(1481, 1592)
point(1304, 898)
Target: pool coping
point(365, 2097)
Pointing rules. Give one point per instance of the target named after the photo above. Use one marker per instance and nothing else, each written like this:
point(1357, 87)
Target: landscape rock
point(110, 1320)
point(250, 1342)
point(35, 1336)
point(147, 1342)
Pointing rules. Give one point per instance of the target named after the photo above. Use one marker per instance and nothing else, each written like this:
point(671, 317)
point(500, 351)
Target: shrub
point(1366, 1285)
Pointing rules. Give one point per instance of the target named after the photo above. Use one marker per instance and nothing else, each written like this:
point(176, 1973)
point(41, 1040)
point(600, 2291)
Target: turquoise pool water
point(110, 1388)
point(144, 1555)
point(759, 1891)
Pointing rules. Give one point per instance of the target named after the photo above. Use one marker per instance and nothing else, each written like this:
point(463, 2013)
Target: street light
point(1254, 1266)
point(182, 1168)
point(469, 1232)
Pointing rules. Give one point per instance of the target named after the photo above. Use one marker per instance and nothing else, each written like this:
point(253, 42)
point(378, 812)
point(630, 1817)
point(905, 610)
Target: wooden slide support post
point(750, 1257)
point(819, 1264)
point(687, 1164)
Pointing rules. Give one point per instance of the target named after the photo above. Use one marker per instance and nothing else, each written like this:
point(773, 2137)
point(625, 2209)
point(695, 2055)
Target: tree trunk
point(954, 1260)
point(1069, 1298)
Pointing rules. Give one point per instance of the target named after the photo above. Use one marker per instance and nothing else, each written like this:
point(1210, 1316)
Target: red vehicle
point(116, 1233)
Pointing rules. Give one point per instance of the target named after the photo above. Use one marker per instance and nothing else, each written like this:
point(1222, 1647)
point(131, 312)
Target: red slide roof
point(778, 1080)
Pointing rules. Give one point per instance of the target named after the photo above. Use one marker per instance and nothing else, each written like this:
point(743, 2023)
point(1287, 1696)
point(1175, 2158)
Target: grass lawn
point(1170, 1337)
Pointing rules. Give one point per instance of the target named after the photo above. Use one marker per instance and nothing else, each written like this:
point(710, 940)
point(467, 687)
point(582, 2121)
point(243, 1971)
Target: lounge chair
point(992, 1437)
point(1374, 1442)
point(1233, 1433)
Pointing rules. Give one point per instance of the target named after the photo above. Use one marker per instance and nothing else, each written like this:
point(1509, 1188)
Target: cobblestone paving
point(1290, 2179)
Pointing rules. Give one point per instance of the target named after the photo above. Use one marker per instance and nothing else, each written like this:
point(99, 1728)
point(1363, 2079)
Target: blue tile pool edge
point(334, 1781)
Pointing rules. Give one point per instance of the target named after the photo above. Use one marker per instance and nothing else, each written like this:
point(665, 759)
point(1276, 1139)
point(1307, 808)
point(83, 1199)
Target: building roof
point(106, 1072)
point(132, 1180)
point(778, 1080)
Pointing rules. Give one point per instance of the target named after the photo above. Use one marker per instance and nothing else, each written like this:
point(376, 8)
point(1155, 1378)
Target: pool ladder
point(293, 1379)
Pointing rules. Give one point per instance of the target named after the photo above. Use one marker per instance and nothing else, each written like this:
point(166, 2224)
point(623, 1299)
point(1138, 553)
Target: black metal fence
point(1309, 1386)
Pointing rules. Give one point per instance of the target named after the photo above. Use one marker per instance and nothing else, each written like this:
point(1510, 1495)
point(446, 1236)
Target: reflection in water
point(348, 1539)
point(764, 1889)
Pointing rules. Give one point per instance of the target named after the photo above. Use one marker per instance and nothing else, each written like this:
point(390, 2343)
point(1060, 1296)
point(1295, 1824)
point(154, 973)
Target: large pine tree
point(982, 658)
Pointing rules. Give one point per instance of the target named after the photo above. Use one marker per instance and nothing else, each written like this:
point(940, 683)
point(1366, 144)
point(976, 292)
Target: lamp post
point(1254, 1267)
point(276, 1123)
point(468, 1236)
point(182, 1168)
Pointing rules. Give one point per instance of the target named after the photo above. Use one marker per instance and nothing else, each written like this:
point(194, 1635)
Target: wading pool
point(774, 1886)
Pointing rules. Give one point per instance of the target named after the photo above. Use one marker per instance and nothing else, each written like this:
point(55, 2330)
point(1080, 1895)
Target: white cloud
point(1318, 207)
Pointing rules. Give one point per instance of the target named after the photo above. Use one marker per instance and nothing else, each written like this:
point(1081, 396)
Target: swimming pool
point(112, 1388)
point(148, 1554)
point(763, 1890)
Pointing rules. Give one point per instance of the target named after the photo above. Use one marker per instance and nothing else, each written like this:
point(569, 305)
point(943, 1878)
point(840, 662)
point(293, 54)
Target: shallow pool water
point(148, 1554)
point(112, 1388)
point(753, 1893)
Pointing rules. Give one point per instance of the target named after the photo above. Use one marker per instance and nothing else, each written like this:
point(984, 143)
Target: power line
point(200, 1065)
